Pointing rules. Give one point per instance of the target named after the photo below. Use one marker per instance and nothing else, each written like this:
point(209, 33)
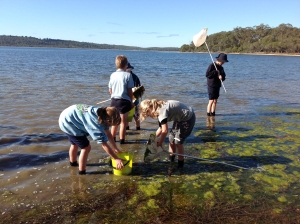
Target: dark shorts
point(181, 130)
point(213, 93)
point(80, 141)
point(123, 106)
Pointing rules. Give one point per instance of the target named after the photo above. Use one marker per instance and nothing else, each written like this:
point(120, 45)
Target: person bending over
point(183, 118)
point(79, 121)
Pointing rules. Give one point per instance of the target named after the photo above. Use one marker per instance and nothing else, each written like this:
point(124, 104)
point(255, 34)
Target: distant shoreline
point(263, 54)
point(273, 54)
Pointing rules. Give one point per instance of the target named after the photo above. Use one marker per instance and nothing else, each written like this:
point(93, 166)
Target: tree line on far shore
point(24, 41)
point(284, 39)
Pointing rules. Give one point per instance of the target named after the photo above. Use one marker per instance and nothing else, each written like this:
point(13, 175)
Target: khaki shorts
point(181, 130)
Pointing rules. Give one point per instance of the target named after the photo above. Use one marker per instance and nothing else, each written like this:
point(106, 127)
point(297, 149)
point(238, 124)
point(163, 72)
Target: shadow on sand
point(192, 166)
point(195, 166)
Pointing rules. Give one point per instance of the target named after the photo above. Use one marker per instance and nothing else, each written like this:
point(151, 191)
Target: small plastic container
point(130, 114)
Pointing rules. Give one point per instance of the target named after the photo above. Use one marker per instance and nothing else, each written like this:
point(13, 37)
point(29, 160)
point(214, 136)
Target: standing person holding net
point(215, 75)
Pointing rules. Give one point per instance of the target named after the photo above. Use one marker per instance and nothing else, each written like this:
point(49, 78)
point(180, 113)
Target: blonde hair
point(121, 62)
point(147, 104)
point(109, 115)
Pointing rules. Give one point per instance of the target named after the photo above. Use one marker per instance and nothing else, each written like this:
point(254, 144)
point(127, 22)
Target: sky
point(141, 23)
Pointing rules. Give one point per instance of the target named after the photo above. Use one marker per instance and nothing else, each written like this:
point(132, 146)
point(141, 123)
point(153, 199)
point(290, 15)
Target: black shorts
point(122, 105)
point(213, 93)
point(80, 141)
point(181, 130)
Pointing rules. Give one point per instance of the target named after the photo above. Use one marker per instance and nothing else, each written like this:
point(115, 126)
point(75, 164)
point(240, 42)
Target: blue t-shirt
point(120, 81)
point(82, 120)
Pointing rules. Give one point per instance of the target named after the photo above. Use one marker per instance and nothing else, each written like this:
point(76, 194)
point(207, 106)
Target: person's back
point(120, 82)
point(120, 87)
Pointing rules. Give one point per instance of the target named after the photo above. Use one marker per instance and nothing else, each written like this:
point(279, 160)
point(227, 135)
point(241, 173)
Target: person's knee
point(73, 147)
point(172, 144)
point(87, 149)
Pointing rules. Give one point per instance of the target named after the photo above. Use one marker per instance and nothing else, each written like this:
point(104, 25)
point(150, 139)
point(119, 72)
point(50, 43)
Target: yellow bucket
point(130, 114)
point(127, 161)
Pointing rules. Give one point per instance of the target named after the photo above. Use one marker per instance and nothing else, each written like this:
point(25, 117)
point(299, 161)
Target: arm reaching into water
point(162, 132)
point(112, 152)
point(112, 141)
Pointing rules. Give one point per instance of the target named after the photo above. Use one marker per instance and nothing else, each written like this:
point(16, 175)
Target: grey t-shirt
point(175, 111)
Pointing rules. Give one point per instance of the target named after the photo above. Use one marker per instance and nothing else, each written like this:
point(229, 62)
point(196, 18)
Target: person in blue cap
point(214, 84)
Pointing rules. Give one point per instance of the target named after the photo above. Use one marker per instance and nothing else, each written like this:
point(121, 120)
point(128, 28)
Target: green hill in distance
point(24, 41)
point(284, 39)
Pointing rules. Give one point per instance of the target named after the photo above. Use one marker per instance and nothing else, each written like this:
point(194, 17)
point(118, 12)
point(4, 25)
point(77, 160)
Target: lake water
point(36, 84)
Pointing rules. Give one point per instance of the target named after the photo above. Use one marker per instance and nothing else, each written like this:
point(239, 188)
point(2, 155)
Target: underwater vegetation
point(266, 191)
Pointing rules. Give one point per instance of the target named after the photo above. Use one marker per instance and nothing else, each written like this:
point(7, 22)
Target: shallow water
point(261, 105)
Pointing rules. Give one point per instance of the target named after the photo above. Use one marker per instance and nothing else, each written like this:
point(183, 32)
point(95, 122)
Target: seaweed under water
point(204, 192)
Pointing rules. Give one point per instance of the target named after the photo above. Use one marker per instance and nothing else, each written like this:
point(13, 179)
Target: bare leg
point(209, 106)
point(73, 153)
point(114, 130)
point(214, 105)
point(84, 153)
point(172, 147)
point(180, 151)
point(137, 121)
point(123, 125)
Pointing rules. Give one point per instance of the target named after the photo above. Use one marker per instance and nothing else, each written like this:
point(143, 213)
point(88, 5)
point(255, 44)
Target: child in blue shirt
point(120, 88)
point(79, 121)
